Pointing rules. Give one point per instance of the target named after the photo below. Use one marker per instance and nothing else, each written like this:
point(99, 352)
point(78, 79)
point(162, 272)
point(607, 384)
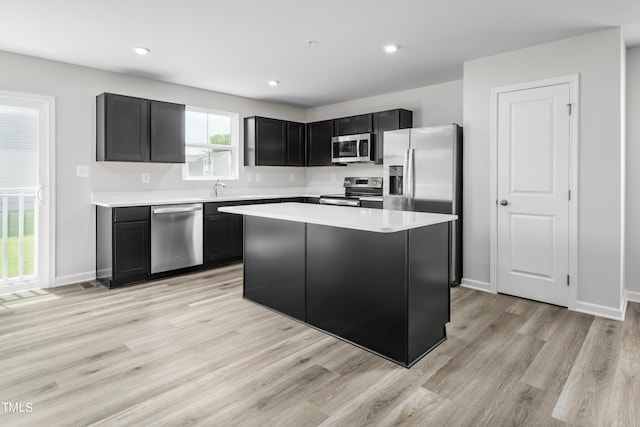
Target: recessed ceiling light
point(390, 48)
point(273, 83)
point(141, 50)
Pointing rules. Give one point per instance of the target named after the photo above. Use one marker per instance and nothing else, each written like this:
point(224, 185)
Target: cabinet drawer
point(136, 213)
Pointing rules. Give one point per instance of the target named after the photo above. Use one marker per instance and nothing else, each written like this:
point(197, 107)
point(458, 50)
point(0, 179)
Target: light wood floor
point(191, 351)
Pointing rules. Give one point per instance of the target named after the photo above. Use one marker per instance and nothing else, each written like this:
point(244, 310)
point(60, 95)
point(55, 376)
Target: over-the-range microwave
point(352, 148)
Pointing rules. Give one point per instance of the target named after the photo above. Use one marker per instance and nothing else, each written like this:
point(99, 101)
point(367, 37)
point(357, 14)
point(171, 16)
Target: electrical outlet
point(82, 171)
point(292, 177)
point(146, 178)
point(333, 177)
point(258, 176)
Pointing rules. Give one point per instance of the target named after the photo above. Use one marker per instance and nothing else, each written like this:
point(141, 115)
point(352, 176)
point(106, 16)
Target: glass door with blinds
point(25, 138)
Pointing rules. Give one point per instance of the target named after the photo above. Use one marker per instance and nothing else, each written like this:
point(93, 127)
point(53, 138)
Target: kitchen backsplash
point(120, 176)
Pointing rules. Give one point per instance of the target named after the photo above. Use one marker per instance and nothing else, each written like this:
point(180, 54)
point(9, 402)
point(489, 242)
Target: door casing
point(573, 81)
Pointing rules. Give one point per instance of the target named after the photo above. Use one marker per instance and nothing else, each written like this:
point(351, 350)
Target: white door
point(25, 138)
point(533, 193)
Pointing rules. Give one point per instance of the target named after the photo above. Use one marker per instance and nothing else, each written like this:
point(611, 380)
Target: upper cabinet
point(130, 129)
point(353, 125)
point(296, 144)
point(319, 136)
point(389, 120)
point(273, 142)
point(167, 132)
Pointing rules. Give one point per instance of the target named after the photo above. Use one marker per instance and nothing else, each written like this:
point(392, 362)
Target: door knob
point(503, 202)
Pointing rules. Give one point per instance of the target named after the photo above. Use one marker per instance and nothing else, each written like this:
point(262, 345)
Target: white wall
point(633, 172)
point(431, 105)
point(75, 89)
point(597, 58)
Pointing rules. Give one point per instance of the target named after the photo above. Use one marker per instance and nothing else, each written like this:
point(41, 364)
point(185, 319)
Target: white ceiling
point(236, 46)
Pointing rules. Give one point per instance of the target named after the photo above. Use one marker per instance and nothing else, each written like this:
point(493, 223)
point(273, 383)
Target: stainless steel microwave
point(352, 148)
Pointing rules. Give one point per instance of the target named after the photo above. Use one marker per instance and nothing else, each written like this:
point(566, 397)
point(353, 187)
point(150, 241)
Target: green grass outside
point(28, 245)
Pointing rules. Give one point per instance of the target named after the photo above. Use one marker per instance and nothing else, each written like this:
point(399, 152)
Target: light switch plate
point(82, 171)
point(146, 178)
point(258, 177)
point(333, 177)
point(292, 177)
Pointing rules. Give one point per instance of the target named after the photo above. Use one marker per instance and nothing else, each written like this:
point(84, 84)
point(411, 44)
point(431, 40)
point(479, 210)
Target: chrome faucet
point(217, 185)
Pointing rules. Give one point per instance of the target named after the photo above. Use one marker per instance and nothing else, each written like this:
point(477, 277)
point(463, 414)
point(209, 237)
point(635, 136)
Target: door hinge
point(568, 280)
point(569, 194)
point(569, 105)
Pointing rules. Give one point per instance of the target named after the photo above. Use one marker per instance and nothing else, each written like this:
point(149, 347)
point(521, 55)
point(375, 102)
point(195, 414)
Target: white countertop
point(124, 199)
point(376, 220)
point(149, 198)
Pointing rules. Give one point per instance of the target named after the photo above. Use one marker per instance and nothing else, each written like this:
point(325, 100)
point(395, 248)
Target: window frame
point(233, 147)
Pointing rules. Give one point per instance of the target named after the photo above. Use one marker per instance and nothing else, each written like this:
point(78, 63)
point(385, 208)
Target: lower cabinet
point(131, 249)
point(222, 237)
point(313, 200)
point(123, 245)
point(293, 200)
point(371, 204)
point(123, 240)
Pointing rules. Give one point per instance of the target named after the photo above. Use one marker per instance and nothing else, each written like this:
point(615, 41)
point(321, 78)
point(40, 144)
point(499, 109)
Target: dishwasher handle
point(176, 209)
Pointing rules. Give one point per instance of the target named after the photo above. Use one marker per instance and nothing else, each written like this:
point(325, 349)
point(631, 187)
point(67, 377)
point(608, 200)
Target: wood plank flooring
point(190, 351)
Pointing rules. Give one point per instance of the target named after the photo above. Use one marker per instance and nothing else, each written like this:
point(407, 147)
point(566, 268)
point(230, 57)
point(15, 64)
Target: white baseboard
point(75, 278)
point(476, 284)
point(633, 296)
point(602, 310)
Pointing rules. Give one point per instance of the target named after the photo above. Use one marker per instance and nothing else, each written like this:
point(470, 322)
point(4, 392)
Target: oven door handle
point(340, 202)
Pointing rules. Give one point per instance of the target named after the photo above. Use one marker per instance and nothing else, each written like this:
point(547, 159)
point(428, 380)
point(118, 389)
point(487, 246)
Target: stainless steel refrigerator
point(423, 172)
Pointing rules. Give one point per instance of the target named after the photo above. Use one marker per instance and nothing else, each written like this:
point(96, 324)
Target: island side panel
point(356, 287)
point(274, 264)
point(428, 294)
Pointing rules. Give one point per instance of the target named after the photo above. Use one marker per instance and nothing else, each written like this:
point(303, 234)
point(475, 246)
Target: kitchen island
point(376, 278)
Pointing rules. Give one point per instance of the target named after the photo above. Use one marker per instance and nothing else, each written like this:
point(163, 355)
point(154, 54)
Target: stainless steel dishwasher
point(176, 236)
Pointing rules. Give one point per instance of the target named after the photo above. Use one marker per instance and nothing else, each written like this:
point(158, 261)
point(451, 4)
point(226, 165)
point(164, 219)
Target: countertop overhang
point(365, 219)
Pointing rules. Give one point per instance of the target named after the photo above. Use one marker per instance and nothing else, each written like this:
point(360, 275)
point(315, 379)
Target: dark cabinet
point(389, 120)
point(123, 245)
point(222, 237)
point(293, 200)
point(167, 132)
point(296, 144)
point(122, 128)
point(353, 125)
point(371, 204)
point(272, 142)
point(130, 249)
point(130, 129)
point(319, 136)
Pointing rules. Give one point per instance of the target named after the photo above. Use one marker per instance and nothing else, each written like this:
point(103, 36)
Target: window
point(211, 149)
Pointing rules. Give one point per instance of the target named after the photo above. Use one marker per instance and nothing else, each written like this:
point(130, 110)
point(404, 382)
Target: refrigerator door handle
point(405, 175)
point(410, 174)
